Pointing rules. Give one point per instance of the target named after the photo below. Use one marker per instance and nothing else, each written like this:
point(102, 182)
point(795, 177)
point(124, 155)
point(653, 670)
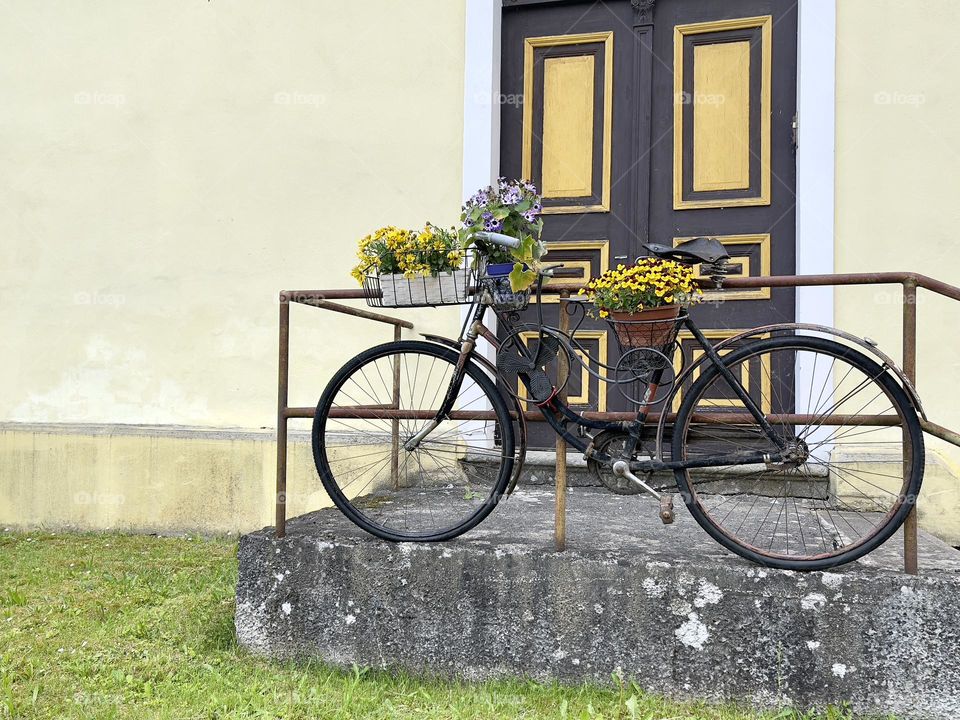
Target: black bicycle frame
point(559, 415)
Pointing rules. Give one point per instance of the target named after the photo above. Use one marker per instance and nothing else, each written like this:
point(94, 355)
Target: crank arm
point(622, 469)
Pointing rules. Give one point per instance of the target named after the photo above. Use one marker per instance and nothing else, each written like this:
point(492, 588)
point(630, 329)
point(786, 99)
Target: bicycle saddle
point(698, 250)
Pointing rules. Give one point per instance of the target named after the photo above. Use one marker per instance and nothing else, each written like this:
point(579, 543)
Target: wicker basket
point(654, 328)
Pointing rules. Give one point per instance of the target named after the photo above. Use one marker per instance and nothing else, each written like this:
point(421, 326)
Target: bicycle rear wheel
point(857, 462)
point(445, 485)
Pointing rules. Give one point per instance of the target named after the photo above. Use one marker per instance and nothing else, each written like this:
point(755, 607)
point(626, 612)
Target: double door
point(646, 121)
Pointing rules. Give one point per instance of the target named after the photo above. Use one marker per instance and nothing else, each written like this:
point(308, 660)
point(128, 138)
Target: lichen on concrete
point(677, 613)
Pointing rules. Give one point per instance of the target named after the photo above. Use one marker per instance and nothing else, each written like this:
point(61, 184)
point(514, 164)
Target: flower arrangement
point(651, 283)
point(394, 251)
point(511, 207)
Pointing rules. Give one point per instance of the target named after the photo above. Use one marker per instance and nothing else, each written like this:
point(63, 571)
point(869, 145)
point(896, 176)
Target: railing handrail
point(910, 281)
point(877, 278)
point(317, 298)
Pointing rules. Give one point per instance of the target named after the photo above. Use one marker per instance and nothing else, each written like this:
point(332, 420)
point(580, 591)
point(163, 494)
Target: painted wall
point(167, 168)
point(163, 479)
point(897, 188)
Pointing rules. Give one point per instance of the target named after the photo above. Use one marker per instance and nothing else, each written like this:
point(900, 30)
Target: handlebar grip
point(498, 239)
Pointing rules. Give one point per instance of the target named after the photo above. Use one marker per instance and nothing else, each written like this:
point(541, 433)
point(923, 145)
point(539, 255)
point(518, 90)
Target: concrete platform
point(676, 612)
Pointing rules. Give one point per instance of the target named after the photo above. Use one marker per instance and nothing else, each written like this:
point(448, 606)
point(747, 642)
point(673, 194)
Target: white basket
point(443, 289)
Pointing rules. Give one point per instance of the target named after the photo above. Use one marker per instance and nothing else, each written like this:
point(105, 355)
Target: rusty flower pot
point(653, 327)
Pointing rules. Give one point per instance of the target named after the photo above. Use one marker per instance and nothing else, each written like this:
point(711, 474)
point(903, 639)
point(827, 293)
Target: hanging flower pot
point(499, 269)
point(400, 290)
point(653, 328)
point(407, 268)
point(642, 302)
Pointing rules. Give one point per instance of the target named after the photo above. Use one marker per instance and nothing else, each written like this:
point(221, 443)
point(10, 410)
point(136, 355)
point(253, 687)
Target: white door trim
point(816, 110)
point(481, 111)
point(481, 95)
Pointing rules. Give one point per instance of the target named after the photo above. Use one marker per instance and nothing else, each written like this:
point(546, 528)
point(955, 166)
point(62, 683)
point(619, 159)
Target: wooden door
point(655, 121)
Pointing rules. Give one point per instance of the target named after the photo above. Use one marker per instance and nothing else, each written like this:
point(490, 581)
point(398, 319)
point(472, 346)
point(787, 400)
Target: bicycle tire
point(900, 402)
point(329, 478)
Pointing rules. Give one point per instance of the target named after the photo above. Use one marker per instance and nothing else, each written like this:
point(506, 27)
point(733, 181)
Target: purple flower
point(512, 196)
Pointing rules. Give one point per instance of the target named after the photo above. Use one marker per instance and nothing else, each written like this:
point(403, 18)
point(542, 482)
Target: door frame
point(816, 109)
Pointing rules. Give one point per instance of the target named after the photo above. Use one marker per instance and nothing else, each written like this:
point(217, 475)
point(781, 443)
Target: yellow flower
point(650, 282)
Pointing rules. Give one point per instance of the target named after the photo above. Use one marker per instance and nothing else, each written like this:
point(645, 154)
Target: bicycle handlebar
point(498, 239)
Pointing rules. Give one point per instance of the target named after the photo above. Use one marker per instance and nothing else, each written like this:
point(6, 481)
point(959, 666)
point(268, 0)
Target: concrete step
point(540, 468)
point(671, 609)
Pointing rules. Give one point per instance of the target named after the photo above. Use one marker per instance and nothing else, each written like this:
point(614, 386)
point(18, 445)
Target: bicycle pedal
point(666, 509)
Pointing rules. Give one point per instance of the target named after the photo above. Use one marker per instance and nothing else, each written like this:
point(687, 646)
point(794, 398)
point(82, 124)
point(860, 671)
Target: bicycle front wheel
point(855, 453)
point(441, 486)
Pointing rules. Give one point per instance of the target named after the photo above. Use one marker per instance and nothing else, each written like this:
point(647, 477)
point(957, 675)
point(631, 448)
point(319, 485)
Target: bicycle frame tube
point(559, 415)
point(741, 392)
point(467, 345)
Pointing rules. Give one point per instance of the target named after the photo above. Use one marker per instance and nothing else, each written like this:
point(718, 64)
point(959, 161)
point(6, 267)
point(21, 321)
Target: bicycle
point(418, 440)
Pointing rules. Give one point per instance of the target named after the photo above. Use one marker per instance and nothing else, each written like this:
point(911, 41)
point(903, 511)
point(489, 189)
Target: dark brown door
point(648, 121)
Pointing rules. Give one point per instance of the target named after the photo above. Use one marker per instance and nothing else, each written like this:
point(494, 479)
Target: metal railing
point(323, 299)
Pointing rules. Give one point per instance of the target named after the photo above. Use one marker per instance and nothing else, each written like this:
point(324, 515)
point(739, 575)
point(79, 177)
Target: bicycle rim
point(856, 472)
point(437, 490)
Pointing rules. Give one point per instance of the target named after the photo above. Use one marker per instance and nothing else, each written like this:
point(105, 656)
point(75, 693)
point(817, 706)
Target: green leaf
point(525, 253)
point(523, 206)
point(538, 249)
point(500, 213)
point(521, 279)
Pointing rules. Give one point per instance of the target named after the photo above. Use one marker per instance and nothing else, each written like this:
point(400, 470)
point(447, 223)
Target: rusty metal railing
point(910, 283)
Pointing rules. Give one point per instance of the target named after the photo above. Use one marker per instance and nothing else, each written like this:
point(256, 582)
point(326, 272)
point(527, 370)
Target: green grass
point(112, 626)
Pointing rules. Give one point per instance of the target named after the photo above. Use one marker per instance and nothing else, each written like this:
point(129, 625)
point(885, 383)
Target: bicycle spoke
point(841, 484)
point(435, 488)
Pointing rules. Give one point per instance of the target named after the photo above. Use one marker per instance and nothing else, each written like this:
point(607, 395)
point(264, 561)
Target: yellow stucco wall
point(168, 167)
point(897, 184)
point(158, 479)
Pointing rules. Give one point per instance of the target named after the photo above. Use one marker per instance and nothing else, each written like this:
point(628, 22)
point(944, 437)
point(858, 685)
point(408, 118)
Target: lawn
point(116, 626)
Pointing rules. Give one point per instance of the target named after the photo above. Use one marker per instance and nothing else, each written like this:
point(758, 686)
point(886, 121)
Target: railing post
point(395, 423)
point(282, 380)
point(910, 559)
point(560, 512)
